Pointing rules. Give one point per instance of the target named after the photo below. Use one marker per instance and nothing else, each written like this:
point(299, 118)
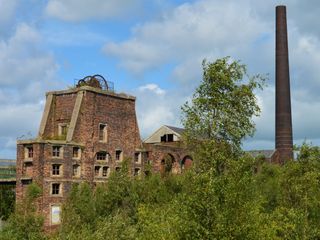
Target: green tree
point(220, 113)
point(7, 199)
point(25, 222)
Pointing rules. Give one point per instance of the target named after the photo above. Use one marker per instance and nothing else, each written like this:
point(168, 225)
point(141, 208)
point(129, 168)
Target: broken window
point(76, 152)
point(118, 169)
point(136, 171)
point(56, 151)
point(103, 132)
point(28, 169)
point(56, 169)
point(76, 170)
point(101, 155)
point(167, 138)
point(105, 171)
point(118, 155)
point(97, 171)
point(137, 157)
point(55, 188)
point(28, 154)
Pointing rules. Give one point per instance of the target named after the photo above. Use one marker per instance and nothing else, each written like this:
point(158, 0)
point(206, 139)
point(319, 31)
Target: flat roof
point(92, 89)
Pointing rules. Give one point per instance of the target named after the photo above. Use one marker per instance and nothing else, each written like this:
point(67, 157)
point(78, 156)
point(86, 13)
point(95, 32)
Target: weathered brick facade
point(85, 133)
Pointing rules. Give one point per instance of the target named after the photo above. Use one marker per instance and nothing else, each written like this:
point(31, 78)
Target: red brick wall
point(60, 112)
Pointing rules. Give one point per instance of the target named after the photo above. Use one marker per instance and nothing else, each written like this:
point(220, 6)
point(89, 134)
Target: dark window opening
point(105, 171)
point(136, 171)
point(55, 189)
point(167, 138)
point(101, 155)
point(97, 171)
point(76, 152)
point(26, 181)
point(56, 169)
point(118, 155)
point(136, 157)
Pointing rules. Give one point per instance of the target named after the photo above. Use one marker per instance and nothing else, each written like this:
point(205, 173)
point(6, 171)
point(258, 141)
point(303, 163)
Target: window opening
point(167, 138)
point(103, 132)
point(101, 156)
point(29, 150)
point(137, 157)
point(56, 151)
point(97, 171)
point(118, 155)
point(105, 171)
point(136, 171)
point(55, 189)
point(56, 169)
point(76, 152)
point(76, 170)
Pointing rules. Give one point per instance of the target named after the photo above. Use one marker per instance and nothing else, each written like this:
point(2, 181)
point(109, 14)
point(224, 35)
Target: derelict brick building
point(85, 133)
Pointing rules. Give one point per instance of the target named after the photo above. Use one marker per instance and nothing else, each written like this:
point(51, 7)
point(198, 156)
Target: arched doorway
point(167, 163)
point(186, 163)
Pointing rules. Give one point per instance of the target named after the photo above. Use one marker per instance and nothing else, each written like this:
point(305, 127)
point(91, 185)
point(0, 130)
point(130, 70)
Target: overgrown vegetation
point(225, 195)
point(7, 199)
point(25, 222)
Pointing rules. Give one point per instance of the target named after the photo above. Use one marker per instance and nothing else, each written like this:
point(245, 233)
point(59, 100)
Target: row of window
point(57, 152)
point(57, 170)
point(56, 188)
point(100, 171)
point(106, 156)
point(103, 131)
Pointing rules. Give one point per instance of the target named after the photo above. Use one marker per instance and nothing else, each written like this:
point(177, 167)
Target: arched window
point(186, 163)
point(102, 155)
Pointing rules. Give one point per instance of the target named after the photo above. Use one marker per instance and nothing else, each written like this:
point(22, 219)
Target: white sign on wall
point(55, 214)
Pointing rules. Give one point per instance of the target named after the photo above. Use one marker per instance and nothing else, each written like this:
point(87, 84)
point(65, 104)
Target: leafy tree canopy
point(223, 105)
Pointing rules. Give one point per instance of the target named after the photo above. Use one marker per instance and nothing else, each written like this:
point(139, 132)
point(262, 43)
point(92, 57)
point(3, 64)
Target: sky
point(152, 49)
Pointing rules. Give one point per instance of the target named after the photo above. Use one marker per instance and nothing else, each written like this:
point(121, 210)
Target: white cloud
point(156, 107)
point(153, 88)
point(190, 31)
point(24, 65)
point(27, 71)
point(244, 30)
point(79, 10)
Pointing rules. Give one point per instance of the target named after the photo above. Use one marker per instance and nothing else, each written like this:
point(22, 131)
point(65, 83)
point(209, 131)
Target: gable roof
point(155, 137)
point(176, 129)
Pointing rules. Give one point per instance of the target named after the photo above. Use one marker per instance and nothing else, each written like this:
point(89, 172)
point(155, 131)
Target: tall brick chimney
point(284, 145)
